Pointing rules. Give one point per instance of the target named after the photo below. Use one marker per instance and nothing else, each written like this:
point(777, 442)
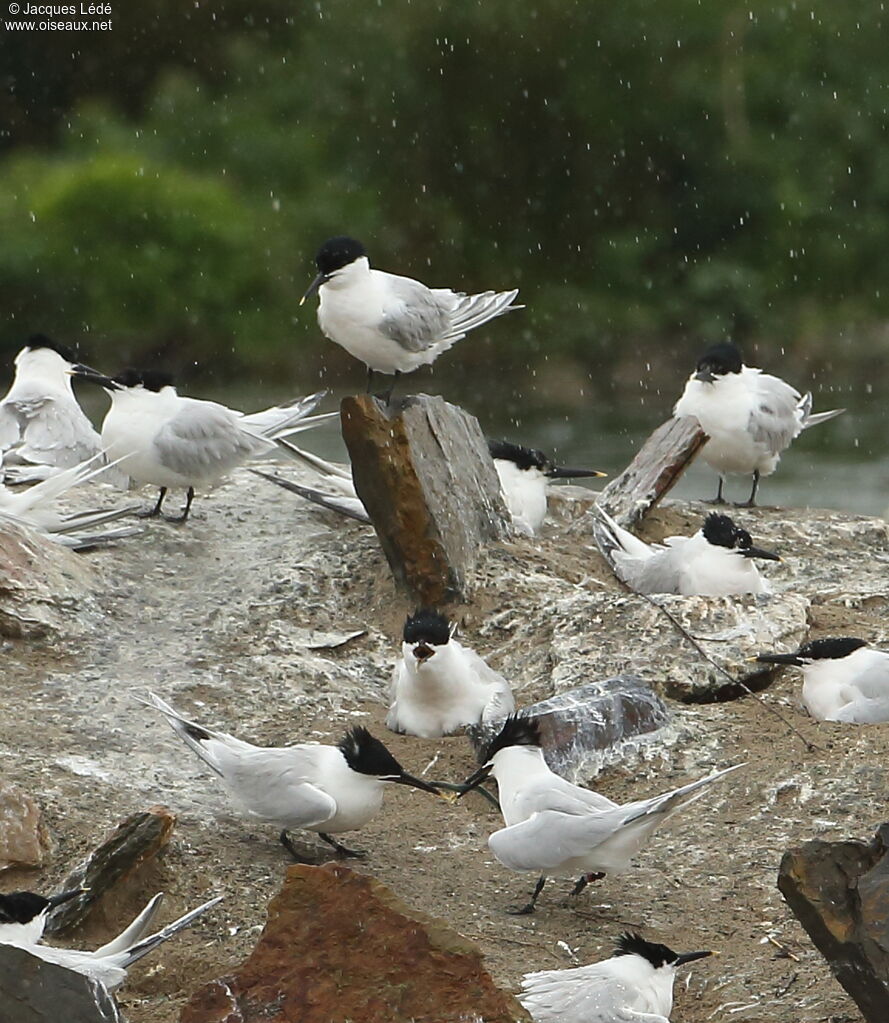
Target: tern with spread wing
point(392, 324)
point(750, 417)
point(557, 829)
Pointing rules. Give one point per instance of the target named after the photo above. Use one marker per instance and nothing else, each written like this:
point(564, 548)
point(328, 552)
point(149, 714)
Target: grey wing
point(659, 573)
point(554, 793)
point(547, 839)
point(205, 439)
point(274, 783)
point(52, 430)
point(501, 701)
point(392, 717)
point(418, 316)
point(774, 419)
point(583, 995)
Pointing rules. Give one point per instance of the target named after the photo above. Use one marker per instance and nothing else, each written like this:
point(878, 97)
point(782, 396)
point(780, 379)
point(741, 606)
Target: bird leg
point(346, 853)
point(584, 880)
point(751, 501)
point(287, 842)
point(156, 510)
point(529, 908)
point(182, 518)
point(719, 499)
point(386, 396)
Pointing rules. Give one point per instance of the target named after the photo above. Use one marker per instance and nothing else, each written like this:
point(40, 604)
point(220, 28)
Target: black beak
point(689, 957)
point(563, 472)
point(63, 897)
point(314, 286)
point(758, 552)
point(417, 783)
point(474, 780)
point(82, 372)
point(793, 659)
point(422, 652)
point(705, 375)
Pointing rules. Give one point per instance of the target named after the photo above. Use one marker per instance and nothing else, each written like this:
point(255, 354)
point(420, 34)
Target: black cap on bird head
point(818, 650)
point(516, 731)
point(365, 754)
point(427, 626)
point(718, 360)
point(36, 341)
point(655, 953)
point(333, 255)
point(150, 379)
point(23, 907)
point(722, 531)
point(532, 458)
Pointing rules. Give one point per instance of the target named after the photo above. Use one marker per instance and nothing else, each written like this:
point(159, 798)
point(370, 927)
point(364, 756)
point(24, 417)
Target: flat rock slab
point(839, 891)
point(34, 991)
point(24, 839)
point(339, 946)
point(581, 728)
point(423, 472)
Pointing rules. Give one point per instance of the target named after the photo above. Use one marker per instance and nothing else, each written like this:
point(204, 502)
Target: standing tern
point(325, 789)
point(40, 420)
point(167, 440)
point(524, 475)
point(844, 679)
point(555, 828)
point(439, 685)
point(109, 964)
point(749, 416)
point(636, 984)
point(717, 561)
point(23, 915)
point(392, 324)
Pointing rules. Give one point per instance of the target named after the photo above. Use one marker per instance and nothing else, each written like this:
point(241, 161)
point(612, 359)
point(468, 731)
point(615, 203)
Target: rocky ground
point(241, 618)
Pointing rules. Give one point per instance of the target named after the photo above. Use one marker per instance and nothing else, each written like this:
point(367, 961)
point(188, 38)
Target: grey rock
point(34, 991)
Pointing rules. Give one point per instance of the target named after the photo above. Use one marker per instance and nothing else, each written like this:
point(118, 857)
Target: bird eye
point(744, 539)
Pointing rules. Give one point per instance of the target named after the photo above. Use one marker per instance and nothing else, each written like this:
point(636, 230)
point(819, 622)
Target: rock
point(582, 728)
point(34, 991)
point(428, 483)
point(656, 468)
point(839, 891)
point(24, 839)
point(42, 585)
point(137, 839)
point(339, 945)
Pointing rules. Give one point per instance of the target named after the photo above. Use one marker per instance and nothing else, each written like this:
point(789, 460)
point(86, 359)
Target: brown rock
point(24, 839)
point(839, 891)
point(577, 726)
point(422, 470)
point(136, 840)
point(339, 946)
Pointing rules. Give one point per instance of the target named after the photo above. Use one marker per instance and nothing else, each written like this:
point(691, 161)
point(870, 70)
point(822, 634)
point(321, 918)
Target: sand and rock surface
point(277, 621)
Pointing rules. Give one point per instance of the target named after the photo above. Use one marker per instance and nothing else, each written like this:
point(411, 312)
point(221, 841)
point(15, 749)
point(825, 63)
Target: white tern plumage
point(23, 915)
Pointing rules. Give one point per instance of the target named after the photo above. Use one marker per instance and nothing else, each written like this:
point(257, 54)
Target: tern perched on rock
point(392, 324)
point(439, 685)
point(23, 915)
point(749, 416)
point(717, 561)
point(325, 789)
point(554, 828)
point(844, 679)
point(40, 420)
point(109, 964)
point(636, 984)
point(524, 475)
point(167, 440)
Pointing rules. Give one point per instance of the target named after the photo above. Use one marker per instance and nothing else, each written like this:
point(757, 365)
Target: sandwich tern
point(40, 420)
point(524, 476)
point(392, 324)
point(844, 679)
point(555, 828)
point(717, 561)
point(109, 964)
point(750, 417)
point(439, 685)
point(23, 915)
point(325, 789)
point(636, 983)
point(164, 439)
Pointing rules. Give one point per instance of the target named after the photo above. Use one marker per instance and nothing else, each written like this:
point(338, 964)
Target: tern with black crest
point(844, 679)
point(439, 685)
point(324, 789)
point(750, 417)
point(719, 560)
point(525, 474)
point(557, 829)
point(23, 915)
point(635, 984)
point(392, 324)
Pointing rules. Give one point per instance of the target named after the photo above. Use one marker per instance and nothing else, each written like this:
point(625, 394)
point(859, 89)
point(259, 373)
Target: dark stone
point(34, 991)
point(338, 945)
point(839, 892)
point(423, 472)
point(577, 726)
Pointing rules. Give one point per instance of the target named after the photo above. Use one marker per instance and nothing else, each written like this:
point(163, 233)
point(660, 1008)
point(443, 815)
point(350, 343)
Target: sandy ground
point(219, 617)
